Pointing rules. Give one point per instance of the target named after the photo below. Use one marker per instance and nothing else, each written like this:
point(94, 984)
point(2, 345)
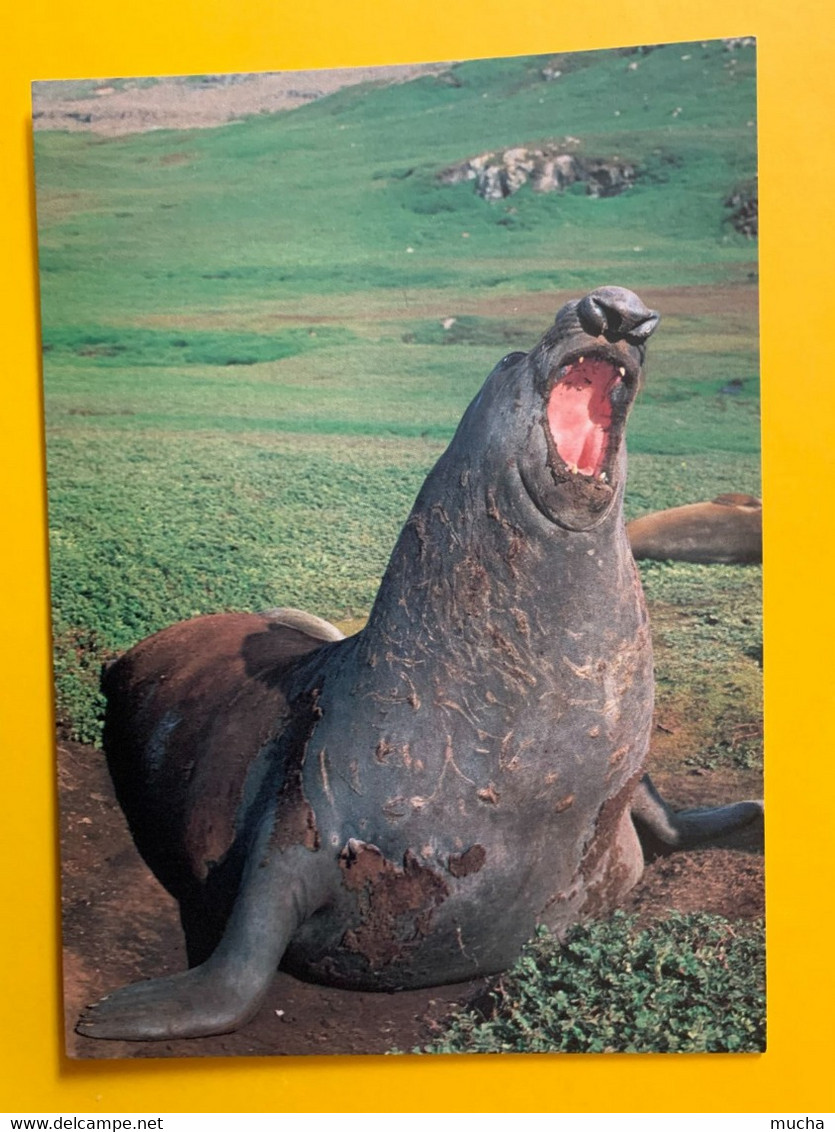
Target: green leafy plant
point(687, 984)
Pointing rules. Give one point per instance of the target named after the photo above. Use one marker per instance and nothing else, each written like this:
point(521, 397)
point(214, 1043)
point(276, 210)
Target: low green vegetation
point(212, 522)
point(125, 348)
point(688, 984)
point(707, 639)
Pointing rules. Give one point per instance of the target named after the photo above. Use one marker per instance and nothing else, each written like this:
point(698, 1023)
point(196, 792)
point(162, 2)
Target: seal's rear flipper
point(686, 828)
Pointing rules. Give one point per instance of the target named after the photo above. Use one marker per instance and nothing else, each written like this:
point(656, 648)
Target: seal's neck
point(476, 562)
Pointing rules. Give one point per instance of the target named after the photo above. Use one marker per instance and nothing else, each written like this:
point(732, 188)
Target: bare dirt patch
point(120, 926)
point(371, 308)
point(116, 107)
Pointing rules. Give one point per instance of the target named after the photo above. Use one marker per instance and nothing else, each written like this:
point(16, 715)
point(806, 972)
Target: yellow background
point(51, 39)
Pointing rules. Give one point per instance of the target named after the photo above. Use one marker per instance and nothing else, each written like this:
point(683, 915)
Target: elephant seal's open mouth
point(587, 371)
point(586, 402)
point(585, 414)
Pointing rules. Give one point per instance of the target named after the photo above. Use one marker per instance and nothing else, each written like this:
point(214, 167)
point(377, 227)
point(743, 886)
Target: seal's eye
point(580, 413)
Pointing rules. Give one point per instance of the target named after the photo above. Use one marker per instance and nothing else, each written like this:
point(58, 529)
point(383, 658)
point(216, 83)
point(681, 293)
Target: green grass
point(688, 984)
point(707, 642)
point(122, 347)
point(146, 529)
point(328, 198)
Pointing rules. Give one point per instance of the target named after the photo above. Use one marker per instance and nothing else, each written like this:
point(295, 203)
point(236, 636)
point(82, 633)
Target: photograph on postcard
point(392, 714)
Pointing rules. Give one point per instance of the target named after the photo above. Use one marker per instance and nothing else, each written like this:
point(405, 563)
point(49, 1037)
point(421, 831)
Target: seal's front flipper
point(191, 1004)
point(277, 894)
point(685, 828)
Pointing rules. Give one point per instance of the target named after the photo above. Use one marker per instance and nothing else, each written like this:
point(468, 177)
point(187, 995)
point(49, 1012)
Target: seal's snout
point(616, 313)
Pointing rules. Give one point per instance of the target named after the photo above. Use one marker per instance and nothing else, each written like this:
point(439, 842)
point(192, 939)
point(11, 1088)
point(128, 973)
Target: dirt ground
point(113, 107)
point(120, 926)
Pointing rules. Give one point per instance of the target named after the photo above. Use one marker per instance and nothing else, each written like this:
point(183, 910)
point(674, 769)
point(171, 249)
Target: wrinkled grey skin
point(434, 787)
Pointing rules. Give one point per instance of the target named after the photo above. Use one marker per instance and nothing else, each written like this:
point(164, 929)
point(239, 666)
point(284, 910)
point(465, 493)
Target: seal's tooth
point(622, 371)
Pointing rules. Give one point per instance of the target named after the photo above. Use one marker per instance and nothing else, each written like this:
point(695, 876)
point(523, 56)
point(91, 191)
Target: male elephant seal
point(402, 807)
point(729, 530)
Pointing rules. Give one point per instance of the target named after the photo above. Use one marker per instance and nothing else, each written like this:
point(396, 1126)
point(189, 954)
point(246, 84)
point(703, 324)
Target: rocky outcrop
point(548, 169)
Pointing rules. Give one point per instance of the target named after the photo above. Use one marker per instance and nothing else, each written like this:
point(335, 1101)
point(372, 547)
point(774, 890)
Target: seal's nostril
point(592, 315)
point(642, 330)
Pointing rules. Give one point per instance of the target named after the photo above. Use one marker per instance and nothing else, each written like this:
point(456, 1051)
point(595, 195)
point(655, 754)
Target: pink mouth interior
point(580, 414)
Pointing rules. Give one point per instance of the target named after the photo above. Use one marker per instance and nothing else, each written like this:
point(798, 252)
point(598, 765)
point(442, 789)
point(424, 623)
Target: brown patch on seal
point(189, 710)
point(604, 868)
point(295, 821)
point(383, 750)
point(395, 904)
point(470, 861)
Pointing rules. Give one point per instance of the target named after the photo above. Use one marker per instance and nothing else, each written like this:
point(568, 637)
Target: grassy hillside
point(327, 199)
point(249, 364)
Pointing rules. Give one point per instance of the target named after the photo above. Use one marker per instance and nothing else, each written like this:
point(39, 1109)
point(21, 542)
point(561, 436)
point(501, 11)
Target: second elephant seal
point(728, 529)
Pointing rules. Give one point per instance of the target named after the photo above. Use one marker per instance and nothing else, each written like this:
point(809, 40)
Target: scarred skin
point(402, 808)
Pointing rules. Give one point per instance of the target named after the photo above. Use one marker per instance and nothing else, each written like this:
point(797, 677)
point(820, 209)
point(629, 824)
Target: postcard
point(395, 713)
